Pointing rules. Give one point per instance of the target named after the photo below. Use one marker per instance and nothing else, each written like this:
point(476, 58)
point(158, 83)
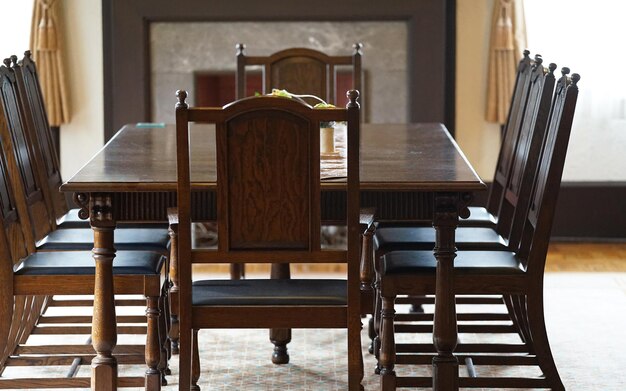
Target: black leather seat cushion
point(82, 263)
point(147, 239)
point(270, 292)
point(423, 238)
point(466, 262)
point(71, 220)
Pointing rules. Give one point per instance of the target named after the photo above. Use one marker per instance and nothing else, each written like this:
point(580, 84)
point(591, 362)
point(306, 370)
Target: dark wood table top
point(420, 157)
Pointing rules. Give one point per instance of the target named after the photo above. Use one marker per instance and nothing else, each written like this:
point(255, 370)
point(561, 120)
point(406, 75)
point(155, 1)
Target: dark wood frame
point(126, 37)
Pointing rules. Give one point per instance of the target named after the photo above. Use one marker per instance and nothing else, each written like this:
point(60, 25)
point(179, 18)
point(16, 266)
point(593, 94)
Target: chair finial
point(13, 60)
point(181, 95)
point(526, 53)
point(575, 78)
point(28, 54)
point(538, 59)
point(357, 48)
point(552, 68)
point(352, 96)
point(240, 48)
point(565, 71)
point(7, 62)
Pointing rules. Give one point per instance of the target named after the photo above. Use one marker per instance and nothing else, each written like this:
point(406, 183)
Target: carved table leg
point(445, 364)
point(280, 337)
point(104, 329)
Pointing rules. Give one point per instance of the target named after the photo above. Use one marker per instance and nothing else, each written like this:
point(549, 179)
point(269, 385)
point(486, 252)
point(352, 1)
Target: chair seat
point(82, 263)
point(423, 238)
point(479, 217)
point(270, 292)
point(146, 239)
point(466, 262)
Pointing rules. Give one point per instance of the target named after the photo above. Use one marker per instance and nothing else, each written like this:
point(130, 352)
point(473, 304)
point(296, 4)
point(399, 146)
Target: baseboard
point(587, 211)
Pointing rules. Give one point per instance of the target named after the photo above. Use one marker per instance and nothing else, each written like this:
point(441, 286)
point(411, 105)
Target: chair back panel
point(41, 136)
point(267, 164)
point(23, 154)
point(300, 75)
point(538, 225)
point(511, 134)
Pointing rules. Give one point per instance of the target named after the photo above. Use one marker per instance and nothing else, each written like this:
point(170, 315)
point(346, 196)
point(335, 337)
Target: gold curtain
point(508, 39)
point(46, 42)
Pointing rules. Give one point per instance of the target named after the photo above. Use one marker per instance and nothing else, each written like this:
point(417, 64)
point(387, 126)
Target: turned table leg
point(445, 364)
point(104, 329)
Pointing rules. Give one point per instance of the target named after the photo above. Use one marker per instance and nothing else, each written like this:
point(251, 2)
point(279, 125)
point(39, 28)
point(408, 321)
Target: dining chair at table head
point(516, 273)
point(302, 71)
point(268, 210)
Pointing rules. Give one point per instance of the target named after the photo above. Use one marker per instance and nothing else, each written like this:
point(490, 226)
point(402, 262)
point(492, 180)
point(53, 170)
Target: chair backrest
point(511, 133)
point(18, 314)
point(514, 204)
point(538, 225)
point(268, 182)
point(39, 134)
point(18, 147)
point(301, 71)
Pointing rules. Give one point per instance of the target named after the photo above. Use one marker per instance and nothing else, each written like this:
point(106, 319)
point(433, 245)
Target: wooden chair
point(45, 150)
point(301, 71)
point(531, 119)
point(536, 97)
point(517, 273)
point(19, 135)
point(29, 278)
point(27, 128)
point(268, 186)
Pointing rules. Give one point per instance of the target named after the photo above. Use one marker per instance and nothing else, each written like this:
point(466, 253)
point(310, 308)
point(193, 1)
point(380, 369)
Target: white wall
point(15, 21)
point(84, 135)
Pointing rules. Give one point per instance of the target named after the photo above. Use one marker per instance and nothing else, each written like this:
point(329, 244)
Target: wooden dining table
point(408, 172)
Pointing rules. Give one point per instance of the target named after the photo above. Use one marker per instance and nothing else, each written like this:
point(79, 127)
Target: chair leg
point(377, 322)
point(540, 342)
point(280, 338)
point(166, 319)
point(237, 271)
point(173, 290)
point(355, 355)
point(387, 358)
point(163, 362)
point(195, 364)
point(185, 358)
point(153, 350)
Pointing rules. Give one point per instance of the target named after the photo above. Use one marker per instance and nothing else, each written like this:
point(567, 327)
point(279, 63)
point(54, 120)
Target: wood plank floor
point(562, 257)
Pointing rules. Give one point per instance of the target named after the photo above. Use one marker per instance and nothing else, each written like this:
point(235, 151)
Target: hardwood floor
point(562, 257)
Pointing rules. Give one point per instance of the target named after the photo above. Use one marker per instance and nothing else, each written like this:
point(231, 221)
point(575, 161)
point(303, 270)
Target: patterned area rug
point(585, 314)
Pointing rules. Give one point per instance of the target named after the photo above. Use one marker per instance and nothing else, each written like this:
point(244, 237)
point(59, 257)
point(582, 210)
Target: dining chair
point(41, 138)
point(18, 135)
point(518, 272)
point(533, 116)
point(268, 210)
point(42, 151)
point(302, 71)
point(30, 278)
point(531, 119)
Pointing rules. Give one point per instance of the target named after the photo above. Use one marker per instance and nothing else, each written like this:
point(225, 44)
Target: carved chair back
point(535, 237)
point(512, 130)
point(18, 147)
point(39, 134)
point(527, 152)
point(301, 71)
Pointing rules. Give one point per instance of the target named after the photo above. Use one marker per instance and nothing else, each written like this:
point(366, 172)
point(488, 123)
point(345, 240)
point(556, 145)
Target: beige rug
point(586, 320)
